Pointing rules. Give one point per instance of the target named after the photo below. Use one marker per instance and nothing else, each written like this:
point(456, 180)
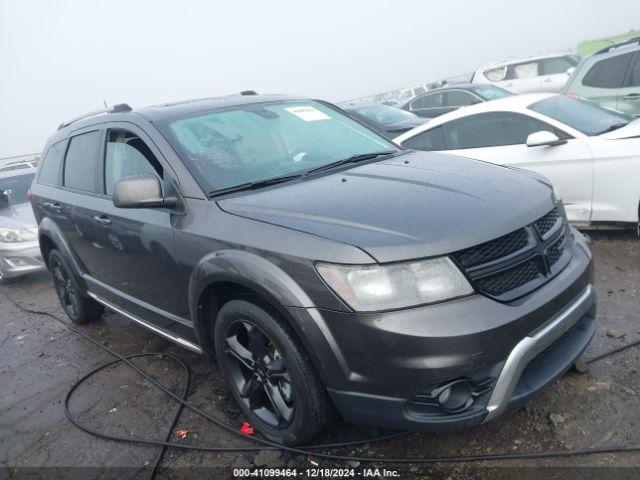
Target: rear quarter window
point(82, 163)
point(51, 166)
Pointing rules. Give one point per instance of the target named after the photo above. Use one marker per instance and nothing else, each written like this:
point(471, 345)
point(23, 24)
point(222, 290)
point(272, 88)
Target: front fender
point(269, 281)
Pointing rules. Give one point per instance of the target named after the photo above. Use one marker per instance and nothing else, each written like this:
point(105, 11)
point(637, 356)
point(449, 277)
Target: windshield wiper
point(253, 185)
point(613, 127)
point(361, 157)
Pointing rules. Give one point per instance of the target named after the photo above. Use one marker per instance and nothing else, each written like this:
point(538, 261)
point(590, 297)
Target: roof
point(515, 102)
point(175, 109)
point(530, 58)
point(17, 172)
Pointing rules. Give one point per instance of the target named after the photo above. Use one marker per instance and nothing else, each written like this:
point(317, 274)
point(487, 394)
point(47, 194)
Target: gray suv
point(322, 267)
point(610, 77)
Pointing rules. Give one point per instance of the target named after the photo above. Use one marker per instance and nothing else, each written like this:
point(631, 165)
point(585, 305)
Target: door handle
point(547, 80)
point(102, 219)
point(53, 206)
point(632, 96)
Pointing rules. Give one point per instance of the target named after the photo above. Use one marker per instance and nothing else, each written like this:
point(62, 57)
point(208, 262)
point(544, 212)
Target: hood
point(20, 216)
point(632, 129)
point(415, 205)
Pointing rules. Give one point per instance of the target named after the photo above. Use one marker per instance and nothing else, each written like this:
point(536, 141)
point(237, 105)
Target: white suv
point(542, 73)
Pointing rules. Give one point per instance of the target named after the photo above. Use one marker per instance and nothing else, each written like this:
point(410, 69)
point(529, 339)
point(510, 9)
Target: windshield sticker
point(308, 114)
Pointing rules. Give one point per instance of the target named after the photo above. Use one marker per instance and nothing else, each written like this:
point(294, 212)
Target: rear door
point(628, 99)
point(522, 78)
point(554, 74)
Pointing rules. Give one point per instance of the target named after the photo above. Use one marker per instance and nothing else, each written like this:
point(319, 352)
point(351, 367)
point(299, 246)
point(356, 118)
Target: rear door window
point(554, 66)
point(459, 99)
point(428, 101)
point(82, 163)
point(51, 166)
point(633, 79)
point(608, 73)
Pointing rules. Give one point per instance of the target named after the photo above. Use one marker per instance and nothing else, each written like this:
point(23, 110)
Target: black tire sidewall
point(295, 360)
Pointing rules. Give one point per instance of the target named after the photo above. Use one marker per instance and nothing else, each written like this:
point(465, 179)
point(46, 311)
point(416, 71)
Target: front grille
point(485, 252)
point(509, 279)
point(515, 264)
point(546, 223)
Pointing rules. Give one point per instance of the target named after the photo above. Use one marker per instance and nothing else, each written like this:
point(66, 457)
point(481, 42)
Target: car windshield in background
point(586, 117)
point(15, 187)
point(262, 141)
point(384, 114)
point(490, 92)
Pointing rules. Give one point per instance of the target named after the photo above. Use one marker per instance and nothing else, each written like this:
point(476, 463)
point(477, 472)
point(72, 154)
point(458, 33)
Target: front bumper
point(20, 258)
point(377, 367)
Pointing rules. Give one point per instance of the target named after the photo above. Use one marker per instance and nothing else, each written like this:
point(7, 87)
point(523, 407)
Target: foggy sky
point(60, 59)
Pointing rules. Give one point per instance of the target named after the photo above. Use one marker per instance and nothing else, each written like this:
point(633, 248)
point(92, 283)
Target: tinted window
point(81, 170)
point(428, 101)
point(492, 130)
point(586, 117)
point(634, 74)
point(459, 99)
point(429, 140)
point(127, 155)
point(384, 114)
point(608, 73)
point(51, 167)
point(553, 66)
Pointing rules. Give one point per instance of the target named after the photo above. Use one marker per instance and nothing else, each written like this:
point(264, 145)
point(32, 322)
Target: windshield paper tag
point(308, 114)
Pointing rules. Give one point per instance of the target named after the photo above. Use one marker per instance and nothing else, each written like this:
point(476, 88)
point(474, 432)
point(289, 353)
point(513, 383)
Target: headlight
point(368, 288)
point(11, 235)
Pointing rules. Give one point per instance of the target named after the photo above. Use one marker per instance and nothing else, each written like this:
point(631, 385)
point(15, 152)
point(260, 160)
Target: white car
point(591, 154)
point(541, 73)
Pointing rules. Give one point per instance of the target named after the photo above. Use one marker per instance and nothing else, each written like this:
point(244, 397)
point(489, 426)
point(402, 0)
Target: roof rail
point(120, 107)
point(621, 44)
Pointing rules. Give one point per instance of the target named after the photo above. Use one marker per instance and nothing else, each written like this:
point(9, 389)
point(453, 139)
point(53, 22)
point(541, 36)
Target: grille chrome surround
point(515, 264)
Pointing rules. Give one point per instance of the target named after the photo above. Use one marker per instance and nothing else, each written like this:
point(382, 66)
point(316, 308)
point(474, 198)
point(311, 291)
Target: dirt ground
point(40, 359)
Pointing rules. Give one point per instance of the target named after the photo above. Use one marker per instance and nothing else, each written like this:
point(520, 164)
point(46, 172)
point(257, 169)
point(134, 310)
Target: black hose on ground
point(264, 444)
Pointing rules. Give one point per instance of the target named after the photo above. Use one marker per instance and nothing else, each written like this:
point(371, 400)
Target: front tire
point(78, 307)
point(269, 374)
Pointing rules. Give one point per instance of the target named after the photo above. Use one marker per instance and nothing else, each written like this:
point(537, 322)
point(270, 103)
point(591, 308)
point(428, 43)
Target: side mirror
point(570, 70)
point(141, 191)
point(544, 138)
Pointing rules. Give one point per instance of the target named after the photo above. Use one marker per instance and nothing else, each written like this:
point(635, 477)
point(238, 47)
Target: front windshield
point(490, 92)
point(384, 114)
point(250, 143)
point(586, 117)
point(15, 188)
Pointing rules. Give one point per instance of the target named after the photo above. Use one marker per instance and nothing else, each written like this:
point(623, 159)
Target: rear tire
point(77, 305)
point(269, 374)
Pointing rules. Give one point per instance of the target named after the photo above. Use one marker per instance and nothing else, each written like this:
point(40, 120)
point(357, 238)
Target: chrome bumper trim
point(532, 345)
point(160, 331)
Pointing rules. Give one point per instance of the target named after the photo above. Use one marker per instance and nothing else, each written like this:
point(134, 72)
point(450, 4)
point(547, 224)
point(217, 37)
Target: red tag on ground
point(246, 429)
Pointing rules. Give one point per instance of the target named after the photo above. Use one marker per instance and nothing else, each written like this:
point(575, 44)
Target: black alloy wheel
point(259, 373)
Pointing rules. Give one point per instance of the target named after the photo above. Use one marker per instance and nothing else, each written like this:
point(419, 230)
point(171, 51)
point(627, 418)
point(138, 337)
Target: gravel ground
point(40, 359)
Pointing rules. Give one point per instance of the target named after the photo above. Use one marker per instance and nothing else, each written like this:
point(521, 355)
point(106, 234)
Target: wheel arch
point(51, 237)
point(232, 274)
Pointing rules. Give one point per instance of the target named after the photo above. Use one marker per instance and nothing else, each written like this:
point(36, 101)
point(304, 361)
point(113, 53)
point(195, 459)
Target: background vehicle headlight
point(11, 235)
point(368, 288)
